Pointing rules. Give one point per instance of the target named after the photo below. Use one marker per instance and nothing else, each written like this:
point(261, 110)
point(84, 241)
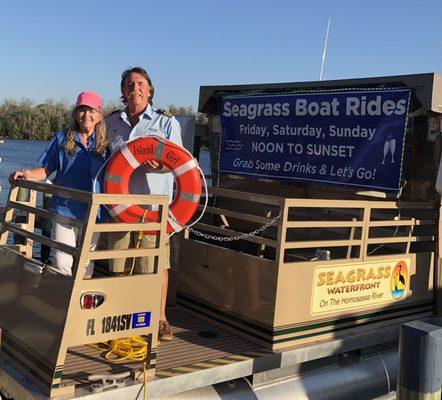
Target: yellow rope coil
point(133, 348)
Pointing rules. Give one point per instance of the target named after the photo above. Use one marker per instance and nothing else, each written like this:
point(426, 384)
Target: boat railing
point(87, 227)
point(305, 230)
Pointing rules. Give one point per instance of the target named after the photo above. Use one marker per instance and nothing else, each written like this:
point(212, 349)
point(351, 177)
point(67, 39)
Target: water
point(20, 154)
point(17, 154)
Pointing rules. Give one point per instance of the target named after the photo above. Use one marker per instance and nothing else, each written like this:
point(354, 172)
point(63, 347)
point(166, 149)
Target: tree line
point(25, 119)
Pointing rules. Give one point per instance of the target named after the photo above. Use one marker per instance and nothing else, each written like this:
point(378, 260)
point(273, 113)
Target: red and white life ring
point(183, 166)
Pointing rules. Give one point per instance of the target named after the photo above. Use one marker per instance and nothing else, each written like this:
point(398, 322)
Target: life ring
point(130, 155)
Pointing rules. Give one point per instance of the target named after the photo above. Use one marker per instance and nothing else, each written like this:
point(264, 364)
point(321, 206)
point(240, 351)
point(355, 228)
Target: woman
point(75, 156)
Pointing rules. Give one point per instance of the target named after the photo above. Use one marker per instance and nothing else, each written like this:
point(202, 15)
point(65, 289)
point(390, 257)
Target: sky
point(56, 49)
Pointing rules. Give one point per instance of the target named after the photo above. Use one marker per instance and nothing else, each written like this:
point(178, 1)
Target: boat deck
point(196, 345)
point(209, 358)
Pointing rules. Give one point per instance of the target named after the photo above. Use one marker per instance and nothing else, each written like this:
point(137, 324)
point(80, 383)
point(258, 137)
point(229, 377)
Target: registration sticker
point(141, 320)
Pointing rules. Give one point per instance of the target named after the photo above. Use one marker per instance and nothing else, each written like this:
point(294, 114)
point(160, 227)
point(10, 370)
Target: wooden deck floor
point(194, 341)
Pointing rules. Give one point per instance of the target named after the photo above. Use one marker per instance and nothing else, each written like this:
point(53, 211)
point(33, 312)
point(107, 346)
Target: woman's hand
point(33, 174)
point(20, 174)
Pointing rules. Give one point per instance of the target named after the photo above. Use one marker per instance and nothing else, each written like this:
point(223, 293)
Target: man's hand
point(153, 165)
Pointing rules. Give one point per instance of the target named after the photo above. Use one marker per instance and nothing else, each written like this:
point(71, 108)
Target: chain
point(239, 237)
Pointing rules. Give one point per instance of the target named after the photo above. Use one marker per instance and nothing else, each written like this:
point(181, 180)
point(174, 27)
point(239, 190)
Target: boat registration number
point(117, 323)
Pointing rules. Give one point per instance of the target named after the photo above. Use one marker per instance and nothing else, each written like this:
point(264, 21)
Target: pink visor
point(90, 99)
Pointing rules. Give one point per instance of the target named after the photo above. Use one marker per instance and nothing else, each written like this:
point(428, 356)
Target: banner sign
point(351, 138)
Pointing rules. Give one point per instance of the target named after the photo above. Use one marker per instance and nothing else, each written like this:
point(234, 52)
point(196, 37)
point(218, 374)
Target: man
point(137, 119)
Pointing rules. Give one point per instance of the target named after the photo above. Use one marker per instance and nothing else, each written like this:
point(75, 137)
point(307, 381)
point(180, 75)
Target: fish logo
point(399, 279)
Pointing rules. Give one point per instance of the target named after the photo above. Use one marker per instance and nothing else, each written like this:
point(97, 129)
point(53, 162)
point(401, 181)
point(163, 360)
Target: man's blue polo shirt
point(76, 171)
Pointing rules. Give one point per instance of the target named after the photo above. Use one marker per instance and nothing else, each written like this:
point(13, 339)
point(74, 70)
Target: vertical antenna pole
point(325, 48)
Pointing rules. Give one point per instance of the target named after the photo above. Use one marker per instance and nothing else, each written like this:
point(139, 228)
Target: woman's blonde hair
point(101, 140)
